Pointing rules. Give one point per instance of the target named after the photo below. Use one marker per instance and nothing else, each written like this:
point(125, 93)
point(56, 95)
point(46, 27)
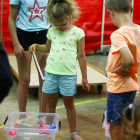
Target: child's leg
point(116, 103)
point(50, 93)
point(116, 132)
point(71, 114)
point(52, 100)
point(67, 87)
point(24, 80)
point(49, 98)
point(49, 102)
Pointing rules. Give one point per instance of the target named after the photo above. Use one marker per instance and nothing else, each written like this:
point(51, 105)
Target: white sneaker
point(42, 120)
point(23, 122)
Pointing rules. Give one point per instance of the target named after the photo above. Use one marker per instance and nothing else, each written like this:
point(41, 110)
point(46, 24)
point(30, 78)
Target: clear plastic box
point(31, 131)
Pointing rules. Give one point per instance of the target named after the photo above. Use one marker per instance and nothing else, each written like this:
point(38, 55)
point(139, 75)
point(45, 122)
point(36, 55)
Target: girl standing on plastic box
point(131, 121)
point(122, 66)
point(65, 43)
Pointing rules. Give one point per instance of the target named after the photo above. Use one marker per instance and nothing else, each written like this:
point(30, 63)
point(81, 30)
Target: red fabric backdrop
point(90, 21)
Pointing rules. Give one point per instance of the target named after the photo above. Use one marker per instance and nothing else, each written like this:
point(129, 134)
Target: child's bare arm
point(127, 58)
point(82, 62)
point(82, 57)
point(126, 64)
point(13, 11)
point(45, 48)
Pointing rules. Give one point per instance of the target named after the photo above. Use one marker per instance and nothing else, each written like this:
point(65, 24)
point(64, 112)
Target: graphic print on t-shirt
point(36, 11)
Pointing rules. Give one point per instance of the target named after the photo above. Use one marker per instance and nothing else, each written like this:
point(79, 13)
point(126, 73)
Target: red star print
point(36, 11)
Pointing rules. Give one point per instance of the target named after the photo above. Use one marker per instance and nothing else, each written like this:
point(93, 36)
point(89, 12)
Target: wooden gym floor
point(89, 106)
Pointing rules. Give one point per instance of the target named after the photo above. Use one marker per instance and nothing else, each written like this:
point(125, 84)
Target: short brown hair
point(122, 6)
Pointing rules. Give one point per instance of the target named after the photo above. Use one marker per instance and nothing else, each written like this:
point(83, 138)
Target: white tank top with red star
point(31, 14)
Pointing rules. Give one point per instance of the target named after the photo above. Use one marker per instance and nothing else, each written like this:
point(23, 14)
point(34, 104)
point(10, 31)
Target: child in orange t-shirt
point(122, 65)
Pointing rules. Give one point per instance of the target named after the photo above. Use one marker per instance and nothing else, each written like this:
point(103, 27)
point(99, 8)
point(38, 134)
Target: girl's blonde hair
point(62, 9)
point(132, 116)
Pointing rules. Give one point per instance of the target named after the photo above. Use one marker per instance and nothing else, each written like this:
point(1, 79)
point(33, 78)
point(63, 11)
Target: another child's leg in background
point(24, 67)
point(71, 114)
point(41, 57)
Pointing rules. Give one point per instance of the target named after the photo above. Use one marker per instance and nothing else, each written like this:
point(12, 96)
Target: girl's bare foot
point(76, 137)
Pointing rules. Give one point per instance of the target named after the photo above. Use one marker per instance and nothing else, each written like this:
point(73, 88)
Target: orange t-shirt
point(124, 37)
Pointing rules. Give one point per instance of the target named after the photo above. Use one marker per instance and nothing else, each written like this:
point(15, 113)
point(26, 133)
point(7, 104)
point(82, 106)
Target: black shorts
point(28, 38)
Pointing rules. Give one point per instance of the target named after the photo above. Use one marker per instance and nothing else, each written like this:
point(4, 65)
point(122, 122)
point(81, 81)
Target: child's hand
point(32, 48)
point(85, 85)
point(19, 51)
point(121, 72)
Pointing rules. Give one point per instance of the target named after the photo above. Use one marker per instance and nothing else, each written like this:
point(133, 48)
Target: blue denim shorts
point(116, 103)
point(65, 84)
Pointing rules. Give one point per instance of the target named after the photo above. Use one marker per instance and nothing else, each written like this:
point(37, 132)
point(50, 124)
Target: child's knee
point(69, 105)
point(52, 102)
point(24, 82)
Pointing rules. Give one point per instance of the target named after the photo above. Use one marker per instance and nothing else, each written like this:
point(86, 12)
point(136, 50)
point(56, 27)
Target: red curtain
point(6, 34)
point(90, 21)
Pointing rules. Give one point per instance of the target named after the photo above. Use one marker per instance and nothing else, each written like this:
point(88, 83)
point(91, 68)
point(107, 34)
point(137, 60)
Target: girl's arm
point(45, 48)
point(13, 11)
point(127, 62)
point(83, 64)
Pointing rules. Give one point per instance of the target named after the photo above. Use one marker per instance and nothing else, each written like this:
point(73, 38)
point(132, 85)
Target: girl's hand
point(32, 48)
point(19, 51)
point(85, 85)
point(121, 72)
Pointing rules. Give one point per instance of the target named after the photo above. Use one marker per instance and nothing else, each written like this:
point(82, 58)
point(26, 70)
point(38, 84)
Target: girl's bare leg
point(49, 100)
point(71, 114)
point(24, 67)
point(52, 100)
